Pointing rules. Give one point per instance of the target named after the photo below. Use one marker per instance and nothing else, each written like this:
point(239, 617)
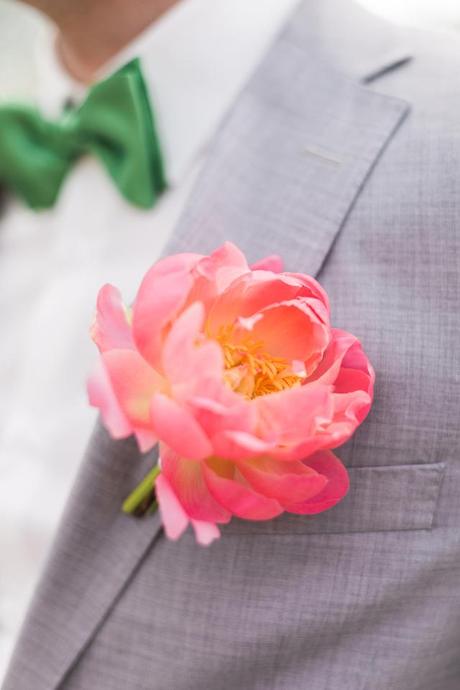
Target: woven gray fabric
point(342, 156)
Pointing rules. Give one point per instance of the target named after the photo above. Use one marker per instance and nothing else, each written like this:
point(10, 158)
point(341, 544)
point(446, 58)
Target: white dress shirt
point(195, 59)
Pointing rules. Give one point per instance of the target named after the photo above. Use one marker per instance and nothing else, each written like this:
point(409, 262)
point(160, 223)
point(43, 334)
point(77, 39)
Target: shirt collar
point(195, 60)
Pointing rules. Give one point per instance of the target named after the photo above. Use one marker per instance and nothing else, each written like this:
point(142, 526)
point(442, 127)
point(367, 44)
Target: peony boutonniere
point(236, 372)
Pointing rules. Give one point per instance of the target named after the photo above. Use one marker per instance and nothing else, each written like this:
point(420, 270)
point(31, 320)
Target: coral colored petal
point(134, 383)
point(239, 445)
point(329, 465)
point(176, 427)
point(350, 409)
point(223, 266)
point(237, 496)
point(205, 532)
point(328, 369)
point(351, 380)
point(186, 354)
point(273, 263)
point(287, 482)
point(173, 516)
point(162, 294)
point(293, 415)
point(111, 329)
point(186, 479)
point(146, 440)
point(102, 396)
point(217, 408)
point(291, 330)
point(310, 288)
point(356, 359)
point(250, 294)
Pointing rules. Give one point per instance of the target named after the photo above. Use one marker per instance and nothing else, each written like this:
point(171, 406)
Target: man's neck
point(91, 32)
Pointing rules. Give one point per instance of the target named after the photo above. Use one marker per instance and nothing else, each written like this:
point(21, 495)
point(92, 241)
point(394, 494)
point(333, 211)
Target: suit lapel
point(284, 172)
point(289, 161)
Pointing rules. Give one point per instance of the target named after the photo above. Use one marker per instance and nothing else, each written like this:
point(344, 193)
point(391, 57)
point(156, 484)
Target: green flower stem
point(142, 500)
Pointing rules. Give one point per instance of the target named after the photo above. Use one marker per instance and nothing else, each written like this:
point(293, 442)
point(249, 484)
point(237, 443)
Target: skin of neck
point(91, 32)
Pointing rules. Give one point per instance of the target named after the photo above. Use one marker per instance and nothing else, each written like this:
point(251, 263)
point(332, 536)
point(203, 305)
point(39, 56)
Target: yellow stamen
point(250, 370)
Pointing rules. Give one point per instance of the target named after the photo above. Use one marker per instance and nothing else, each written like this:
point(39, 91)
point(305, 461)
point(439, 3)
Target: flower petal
point(329, 465)
point(310, 288)
point(232, 491)
point(134, 383)
point(328, 369)
point(219, 409)
point(162, 294)
point(288, 425)
point(176, 427)
point(102, 396)
point(205, 532)
point(353, 377)
point(186, 354)
point(249, 294)
point(223, 266)
point(287, 482)
point(290, 330)
point(186, 480)
point(239, 445)
point(145, 439)
point(273, 263)
point(173, 516)
point(363, 378)
point(111, 328)
point(293, 415)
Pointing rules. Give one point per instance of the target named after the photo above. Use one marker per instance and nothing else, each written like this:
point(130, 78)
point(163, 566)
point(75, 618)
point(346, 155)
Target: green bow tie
point(115, 123)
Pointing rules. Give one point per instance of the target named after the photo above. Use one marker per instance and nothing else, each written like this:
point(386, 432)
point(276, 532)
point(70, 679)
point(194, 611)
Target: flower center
point(250, 370)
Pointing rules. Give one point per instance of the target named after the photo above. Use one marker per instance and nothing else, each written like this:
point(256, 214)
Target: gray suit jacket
point(342, 155)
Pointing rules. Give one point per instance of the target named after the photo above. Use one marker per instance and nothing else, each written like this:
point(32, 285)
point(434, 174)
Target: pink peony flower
point(238, 375)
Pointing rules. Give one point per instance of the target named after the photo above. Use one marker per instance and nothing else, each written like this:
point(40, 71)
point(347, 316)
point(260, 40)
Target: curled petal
point(145, 439)
point(327, 464)
point(289, 425)
point(355, 360)
point(223, 266)
point(273, 263)
point(186, 480)
point(231, 490)
point(102, 396)
point(253, 292)
point(178, 429)
point(214, 273)
point(287, 482)
point(227, 411)
point(161, 296)
point(328, 369)
point(111, 328)
point(349, 410)
point(240, 445)
point(303, 336)
point(293, 415)
point(132, 385)
point(310, 288)
point(205, 532)
point(353, 378)
point(187, 356)
point(174, 518)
